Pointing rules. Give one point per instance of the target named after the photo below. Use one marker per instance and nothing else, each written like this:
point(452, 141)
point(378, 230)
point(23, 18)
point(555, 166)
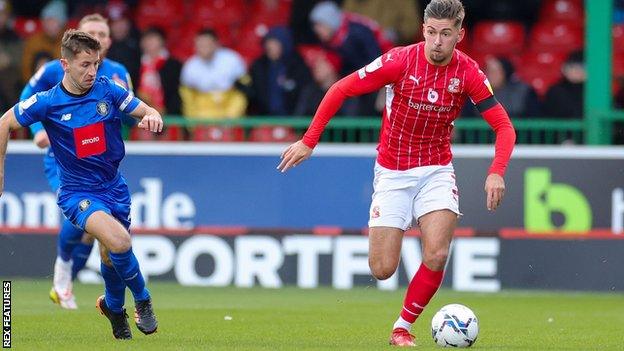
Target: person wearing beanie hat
point(53, 19)
point(326, 17)
point(353, 41)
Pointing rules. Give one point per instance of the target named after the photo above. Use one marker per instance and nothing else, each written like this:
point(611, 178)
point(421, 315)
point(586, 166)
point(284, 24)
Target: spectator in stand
point(278, 76)
point(353, 41)
point(325, 68)
point(159, 79)
point(53, 19)
point(519, 98)
point(399, 19)
point(300, 23)
point(209, 80)
point(565, 99)
point(10, 59)
point(125, 47)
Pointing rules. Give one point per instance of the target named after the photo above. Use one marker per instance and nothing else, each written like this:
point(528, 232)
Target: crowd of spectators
point(230, 59)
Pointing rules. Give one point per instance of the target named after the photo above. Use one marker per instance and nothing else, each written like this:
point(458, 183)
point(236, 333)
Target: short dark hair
point(208, 31)
point(155, 31)
point(75, 41)
point(446, 9)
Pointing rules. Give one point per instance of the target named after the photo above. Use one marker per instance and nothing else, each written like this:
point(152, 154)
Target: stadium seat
point(249, 44)
point(279, 134)
point(562, 10)
point(218, 133)
point(140, 134)
point(165, 14)
point(618, 37)
point(26, 26)
point(276, 15)
point(216, 13)
point(172, 133)
point(544, 60)
point(556, 36)
point(618, 65)
point(539, 78)
point(498, 38)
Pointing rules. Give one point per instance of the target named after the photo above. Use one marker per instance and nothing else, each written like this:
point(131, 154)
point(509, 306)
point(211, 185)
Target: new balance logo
point(66, 117)
point(417, 80)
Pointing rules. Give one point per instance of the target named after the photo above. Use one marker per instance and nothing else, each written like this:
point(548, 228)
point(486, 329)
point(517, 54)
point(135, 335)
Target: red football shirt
point(422, 101)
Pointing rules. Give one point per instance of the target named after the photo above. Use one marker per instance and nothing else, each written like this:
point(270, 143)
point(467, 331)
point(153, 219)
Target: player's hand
point(151, 121)
point(294, 155)
point(41, 139)
point(494, 190)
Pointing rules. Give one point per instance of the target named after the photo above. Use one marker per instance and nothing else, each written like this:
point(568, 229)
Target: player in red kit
point(426, 86)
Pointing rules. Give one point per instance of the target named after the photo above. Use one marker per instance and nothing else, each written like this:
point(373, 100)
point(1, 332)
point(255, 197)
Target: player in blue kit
point(73, 247)
point(81, 116)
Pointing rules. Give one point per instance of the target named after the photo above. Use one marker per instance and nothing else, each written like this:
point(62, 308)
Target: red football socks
point(420, 290)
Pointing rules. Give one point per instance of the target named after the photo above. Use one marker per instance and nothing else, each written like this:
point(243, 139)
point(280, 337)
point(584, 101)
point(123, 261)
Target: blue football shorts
point(113, 198)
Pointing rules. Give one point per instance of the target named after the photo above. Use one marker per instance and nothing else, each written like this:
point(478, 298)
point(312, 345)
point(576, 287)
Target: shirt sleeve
point(31, 110)
point(479, 87)
point(40, 81)
point(124, 100)
point(386, 69)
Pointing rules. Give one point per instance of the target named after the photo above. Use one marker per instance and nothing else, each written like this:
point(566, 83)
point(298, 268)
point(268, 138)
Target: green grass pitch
point(194, 318)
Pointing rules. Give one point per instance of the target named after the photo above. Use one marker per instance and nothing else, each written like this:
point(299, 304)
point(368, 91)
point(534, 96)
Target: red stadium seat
point(165, 14)
point(140, 134)
point(539, 78)
point(618, 65)
point(544, 59)
point(216, 13)
point(498, 38)
point(556, 36)
point(172, 133)
point(274, 13)
point(218, 133)
point(562, 10)
point(618, 38)
point(249, 44)
point(26, 26)
point(279, 134)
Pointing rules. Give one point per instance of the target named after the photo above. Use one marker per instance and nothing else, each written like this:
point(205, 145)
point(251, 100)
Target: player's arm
point(8, 122)
point(40, 81)
point(384, 70)
point(150, 119)
point(126, 102)
point(496, 116)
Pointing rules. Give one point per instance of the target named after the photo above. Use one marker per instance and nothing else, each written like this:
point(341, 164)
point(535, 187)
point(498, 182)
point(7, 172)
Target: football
point(455, 325)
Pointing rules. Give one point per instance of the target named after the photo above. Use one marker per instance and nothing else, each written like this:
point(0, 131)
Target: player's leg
point(436, 207)
point(390, 215)
point(112, 302)
point(80, 254)
point(145, 320)
point(68, 238)
point(114, 239)
point(384, 251)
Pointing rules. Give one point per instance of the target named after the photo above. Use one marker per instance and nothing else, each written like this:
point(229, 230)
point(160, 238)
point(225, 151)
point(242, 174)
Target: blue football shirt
point(84, 130)
point(52, 73)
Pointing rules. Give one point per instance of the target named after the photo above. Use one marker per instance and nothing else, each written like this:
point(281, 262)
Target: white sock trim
point(402, 323)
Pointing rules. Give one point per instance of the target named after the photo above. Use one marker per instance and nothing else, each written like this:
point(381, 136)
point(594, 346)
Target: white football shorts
point(401, 196)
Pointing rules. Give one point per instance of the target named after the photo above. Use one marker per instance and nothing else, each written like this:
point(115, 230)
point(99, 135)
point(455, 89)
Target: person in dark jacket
point(565, 99)
point(354, 42)
point(278, 76)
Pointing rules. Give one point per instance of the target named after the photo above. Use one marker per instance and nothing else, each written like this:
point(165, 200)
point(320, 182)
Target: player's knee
point(121, 244)
point(436, 260)
point(381, 270)
point(87, 239)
